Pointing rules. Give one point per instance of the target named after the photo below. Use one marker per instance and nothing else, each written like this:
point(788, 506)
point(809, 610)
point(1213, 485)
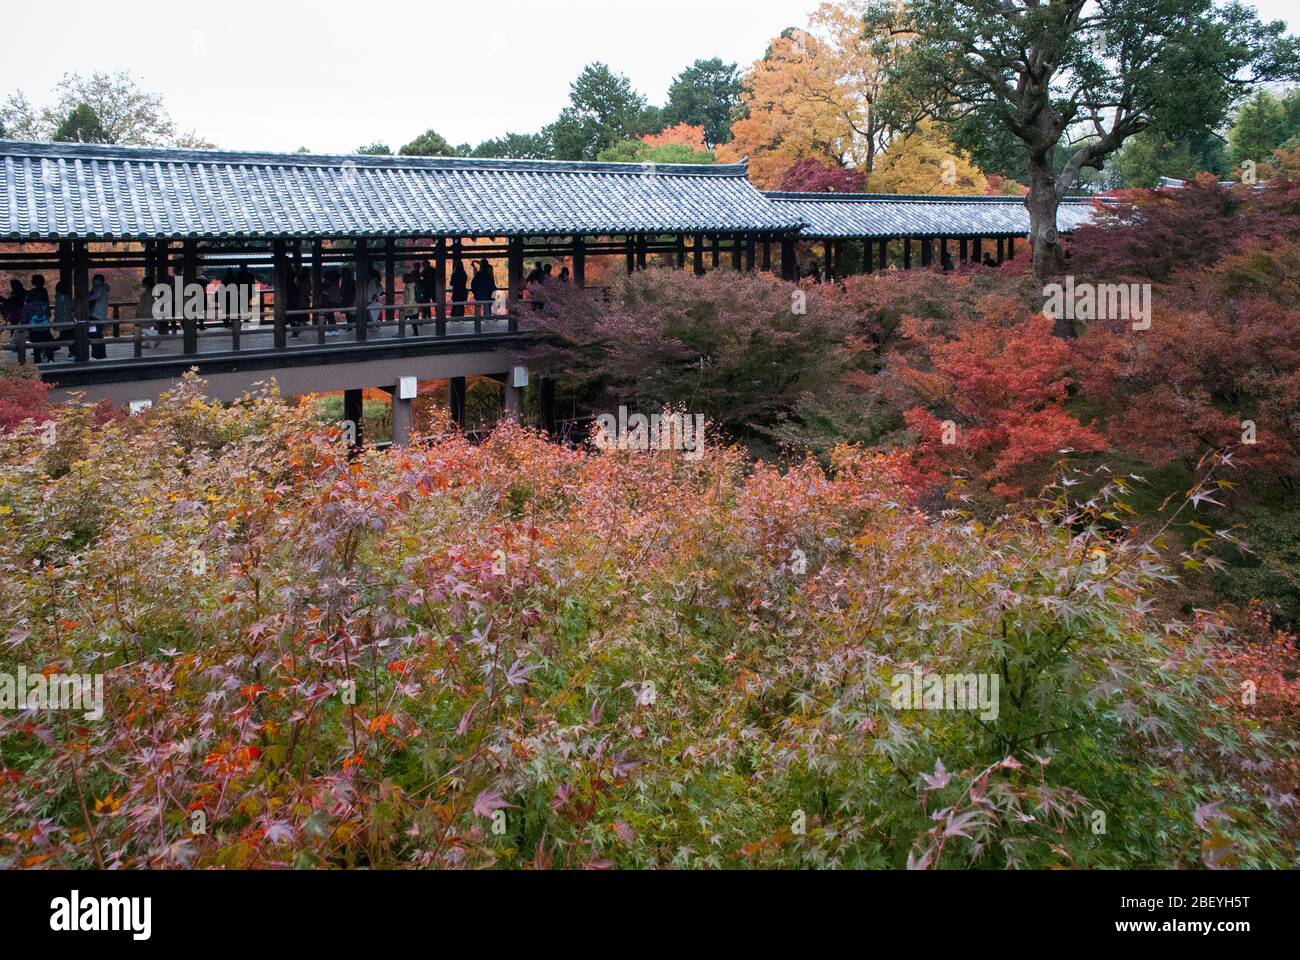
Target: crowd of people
point(48, 326)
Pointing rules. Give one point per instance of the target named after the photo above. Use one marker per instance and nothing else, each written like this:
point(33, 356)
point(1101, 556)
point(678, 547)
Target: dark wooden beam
point(789, 260)
point(440, 287)
point(390, 278)
point(317, 288)
point(354, 411)
point(699, 254)
point(361, 316)
point(579, 262)
point(456, 400)
point(281, 261)
point(81, 300)
point(515, 280)
point(907, 253)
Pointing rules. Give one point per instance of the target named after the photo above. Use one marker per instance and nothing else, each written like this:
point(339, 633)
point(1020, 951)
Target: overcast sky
point(330, 76)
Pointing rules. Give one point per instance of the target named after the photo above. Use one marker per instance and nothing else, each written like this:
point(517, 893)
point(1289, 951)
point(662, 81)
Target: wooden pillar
point(440, 287)
point(961, 251)
point(354, 412)
point(866, 256)
point(456, 400)
point(767, 254)
point(401, 417)
point(883, 262)
point(1011, 248)
point(390, 278)
point(190, 274)
point(789, 262)
point(943, 253)
point(317, 289)
point(751, 253)
point(717, 251)
point(630, 253)
point(907, 253)
point(512, 400)
point(927, 251)
point(681, 251)
point(579, 262)
point(699, 254)
point(737, 252)
point(976, 253)
point(829, 261)
point(361, 265)
point(515, 275)
point(280, 261)
point(162, 274)
point(546, 403)
point(81, 300)
point(640, 251)
point(1000, 249)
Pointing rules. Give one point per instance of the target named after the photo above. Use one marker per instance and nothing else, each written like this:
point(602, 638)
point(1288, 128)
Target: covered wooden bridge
point(302, 236)
point(887, 225)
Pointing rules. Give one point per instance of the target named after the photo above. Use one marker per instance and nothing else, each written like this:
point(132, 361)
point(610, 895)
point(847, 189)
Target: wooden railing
point(320, 324)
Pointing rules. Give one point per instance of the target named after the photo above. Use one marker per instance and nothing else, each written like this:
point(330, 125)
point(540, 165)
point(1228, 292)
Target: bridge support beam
point(456, 400)
point(354, 413)
point(512, 401)
point(402, 415)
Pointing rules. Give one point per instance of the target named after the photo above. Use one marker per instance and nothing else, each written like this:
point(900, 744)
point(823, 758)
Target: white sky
point(331, 76)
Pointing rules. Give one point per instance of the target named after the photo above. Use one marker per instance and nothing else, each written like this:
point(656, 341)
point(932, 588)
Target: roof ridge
point(120, 152)
point(905, 197)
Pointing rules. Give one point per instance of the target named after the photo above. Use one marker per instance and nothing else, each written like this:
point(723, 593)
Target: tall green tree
point(518, 146)
point(1151, 154)
point(706, 94)
point(429, 144)
point(603, 109)
point(81, 125)
point(1262, 125)
point(1103, 70)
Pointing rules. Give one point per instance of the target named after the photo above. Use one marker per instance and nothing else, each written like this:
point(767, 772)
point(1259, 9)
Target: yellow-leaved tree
point(926, 162)
point(813, 94)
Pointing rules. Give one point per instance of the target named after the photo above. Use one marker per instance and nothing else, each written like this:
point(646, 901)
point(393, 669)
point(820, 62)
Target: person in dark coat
point(459, 288)
point(36, 315)
point(484, 287)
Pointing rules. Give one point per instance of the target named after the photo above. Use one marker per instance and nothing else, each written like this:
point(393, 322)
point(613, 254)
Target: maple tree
point(513, 654)
point(810, 175)
point(813, 95)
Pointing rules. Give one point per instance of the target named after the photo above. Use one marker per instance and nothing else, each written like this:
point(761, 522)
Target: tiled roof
point(72, 190)
point(845, 215)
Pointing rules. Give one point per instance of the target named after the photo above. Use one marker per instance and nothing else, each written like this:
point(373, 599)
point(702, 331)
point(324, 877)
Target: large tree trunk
point(1045, 192)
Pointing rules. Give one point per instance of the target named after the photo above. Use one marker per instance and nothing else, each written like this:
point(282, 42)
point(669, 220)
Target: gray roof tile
point(847, 215)
point(51, 191)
